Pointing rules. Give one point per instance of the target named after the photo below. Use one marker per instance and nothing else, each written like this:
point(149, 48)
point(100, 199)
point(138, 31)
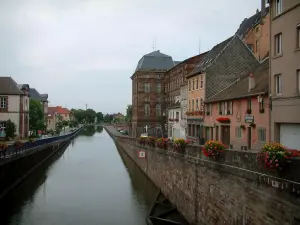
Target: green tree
point(99, 116)
point(128, 116)
point(108, 118)
point(10, 129)
point(36, 116)
point(90, 115)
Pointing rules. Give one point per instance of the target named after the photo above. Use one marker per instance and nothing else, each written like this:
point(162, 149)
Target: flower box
point(213, 148)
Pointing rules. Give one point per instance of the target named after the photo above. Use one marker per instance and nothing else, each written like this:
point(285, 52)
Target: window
point(278, 7)
point(256, 29)
point(261, 134)
point(193, 85)
point(2, 124)
point(250, 47)
point(278, 85)
point(298, 36)
point(197, 84)
point(238, 132)
point(177, 115)
point(189, 105)
point(147, 99)
point(261, 106)
point(3, 103)
point(147, 109)
point(257, 47)
point(197, 104)
point(249, 103)
point(193, 105)
point(201, 103)
point(278, 44)
point(230, 108)
point(147, 87)
point(201, 81)
point(158, 110)
point(158, 88)
point(158, 76)
point(189, 85)
point(298, 81)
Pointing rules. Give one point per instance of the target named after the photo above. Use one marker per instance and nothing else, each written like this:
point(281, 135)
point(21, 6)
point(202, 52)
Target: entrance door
point(226, 135)
point(249, 137)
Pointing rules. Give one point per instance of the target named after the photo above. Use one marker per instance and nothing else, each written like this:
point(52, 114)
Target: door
point(290, 135)
point(249, 137)
point(226, 135)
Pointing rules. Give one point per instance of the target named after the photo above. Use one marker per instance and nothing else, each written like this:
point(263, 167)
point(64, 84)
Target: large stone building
point(255, 32)
point(148, 103)
point(175, 78)
point(285, 72)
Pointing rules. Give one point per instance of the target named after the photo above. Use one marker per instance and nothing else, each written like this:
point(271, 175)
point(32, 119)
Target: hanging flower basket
point(253, 125)
point(223, 120)
point(274, 156)
point(242, 126)
point(213, 148)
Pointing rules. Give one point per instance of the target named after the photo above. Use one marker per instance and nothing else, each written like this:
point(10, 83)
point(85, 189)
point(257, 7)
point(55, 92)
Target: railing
point(14, 150)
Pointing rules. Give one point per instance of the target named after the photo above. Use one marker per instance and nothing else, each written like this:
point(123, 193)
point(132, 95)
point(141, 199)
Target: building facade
point(285, 72)
point(175, 78)
point(14, 106)
point(255, 32)
point(224, 64)
point(239, 115)
point(148, 100)
point(55, 114)
point(184, 108)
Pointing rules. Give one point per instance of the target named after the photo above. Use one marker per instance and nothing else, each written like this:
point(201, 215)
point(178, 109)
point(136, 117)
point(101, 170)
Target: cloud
point(89, 48)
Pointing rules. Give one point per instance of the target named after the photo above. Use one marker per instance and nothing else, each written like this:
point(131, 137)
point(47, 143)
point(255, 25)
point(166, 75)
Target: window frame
point(158, 110)
point(298, 36)
point(278, 7)
point(158, 88)
point(238, 132)
point(261, 134)
point(3, 102)
point(197, 84)
point(278, 84)
point(147, 109)
point(147, 87)
point(278, 44)
point(201, 81)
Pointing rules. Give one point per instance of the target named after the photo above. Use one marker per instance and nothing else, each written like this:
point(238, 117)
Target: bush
point(180, 144)
point(162, 143)
point(18, 144)
point(213, 148)
point(3, 146)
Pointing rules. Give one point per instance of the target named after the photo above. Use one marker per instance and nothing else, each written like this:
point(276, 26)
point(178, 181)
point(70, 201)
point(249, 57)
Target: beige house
point(14, 106)
point(53, 116)
point(285, 72)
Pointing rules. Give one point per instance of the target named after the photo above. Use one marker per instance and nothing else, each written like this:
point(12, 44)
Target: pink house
point(239, 115)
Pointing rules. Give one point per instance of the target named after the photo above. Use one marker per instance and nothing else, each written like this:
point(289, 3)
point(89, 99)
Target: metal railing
point(15, 150)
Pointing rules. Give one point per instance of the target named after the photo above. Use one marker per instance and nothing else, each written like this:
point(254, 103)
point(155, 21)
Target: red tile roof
point(58, 110)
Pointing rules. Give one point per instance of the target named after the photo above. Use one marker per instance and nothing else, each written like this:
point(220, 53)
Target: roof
point(155, 60)
point(34, 94)
point(249, 23)
point(9, 87)
point(44, 97)
point(23, 86)
point(240, 88)
point(58, 109)
point(209, 58)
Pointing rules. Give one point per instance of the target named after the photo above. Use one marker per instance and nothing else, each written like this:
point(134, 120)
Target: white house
point(175, 128)
point(14, 106)
point(184, 108)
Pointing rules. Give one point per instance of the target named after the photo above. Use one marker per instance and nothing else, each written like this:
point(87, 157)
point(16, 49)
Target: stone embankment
point(229, 191)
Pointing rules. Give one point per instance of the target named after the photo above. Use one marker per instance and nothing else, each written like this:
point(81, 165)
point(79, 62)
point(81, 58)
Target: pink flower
point(276, 160)
point(277, 165)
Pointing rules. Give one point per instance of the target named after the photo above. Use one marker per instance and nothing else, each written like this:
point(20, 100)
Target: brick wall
point(230, 191)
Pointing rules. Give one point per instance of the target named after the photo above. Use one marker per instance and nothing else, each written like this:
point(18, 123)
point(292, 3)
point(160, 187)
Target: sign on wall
point(142, 154)
point(249, 119)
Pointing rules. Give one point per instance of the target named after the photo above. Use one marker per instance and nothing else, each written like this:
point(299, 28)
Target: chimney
point(263, 8)
point(251, 81)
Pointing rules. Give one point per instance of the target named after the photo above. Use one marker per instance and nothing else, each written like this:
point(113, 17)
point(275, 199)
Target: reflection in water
point(89, 184)
point(88, 131)
point(23, 194)
point(99, 129)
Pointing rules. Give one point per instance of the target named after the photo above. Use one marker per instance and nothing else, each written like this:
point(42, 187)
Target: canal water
point(90, 182)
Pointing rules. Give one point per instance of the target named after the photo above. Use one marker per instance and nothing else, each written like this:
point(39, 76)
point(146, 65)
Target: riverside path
point(88, 182)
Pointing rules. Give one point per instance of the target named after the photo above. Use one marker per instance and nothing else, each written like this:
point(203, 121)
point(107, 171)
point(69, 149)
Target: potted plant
point(242, 126)
point(150, 141)
point(274, 156)
point(248, 111)
point(142, 141)
point(162, 143)
point(207, 113)
point(213, 148)
point(180, 145)
point(253, 125)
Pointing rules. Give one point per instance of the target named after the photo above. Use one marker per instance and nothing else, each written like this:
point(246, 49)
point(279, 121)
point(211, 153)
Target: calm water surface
point(89, 182)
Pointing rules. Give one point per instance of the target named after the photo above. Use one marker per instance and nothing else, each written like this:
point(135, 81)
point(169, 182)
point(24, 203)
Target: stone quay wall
point(232, 190)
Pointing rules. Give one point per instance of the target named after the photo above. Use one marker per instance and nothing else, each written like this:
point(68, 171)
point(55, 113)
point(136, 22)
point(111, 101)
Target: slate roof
point(155, 60)
point(23, 86)
point(9, 87)
point(249, 23)
point(34, 94)
point(210, 57)
point(240, 88)
point(44, 97)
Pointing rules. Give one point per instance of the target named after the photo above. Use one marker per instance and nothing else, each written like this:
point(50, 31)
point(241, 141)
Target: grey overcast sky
point(84, 51)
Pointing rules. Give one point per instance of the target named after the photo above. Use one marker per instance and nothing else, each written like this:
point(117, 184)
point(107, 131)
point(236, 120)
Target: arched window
point(158, 110)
